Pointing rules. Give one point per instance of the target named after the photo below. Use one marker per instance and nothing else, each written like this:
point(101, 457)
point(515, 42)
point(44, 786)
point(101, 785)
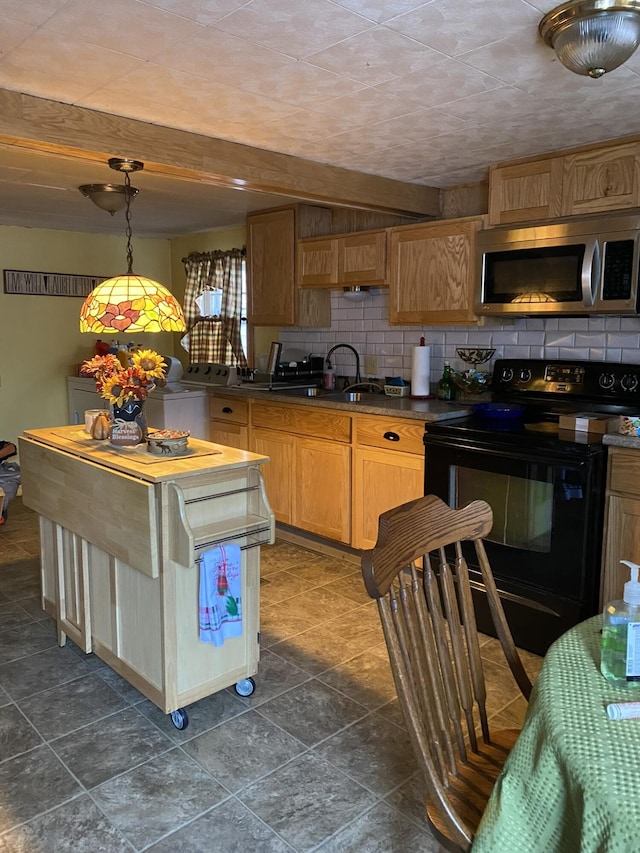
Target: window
point(223, 339)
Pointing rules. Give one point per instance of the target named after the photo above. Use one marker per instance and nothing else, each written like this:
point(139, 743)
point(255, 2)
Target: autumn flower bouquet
point(119, 384)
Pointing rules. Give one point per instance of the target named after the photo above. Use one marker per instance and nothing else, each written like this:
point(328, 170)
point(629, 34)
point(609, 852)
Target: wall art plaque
point(50, 283)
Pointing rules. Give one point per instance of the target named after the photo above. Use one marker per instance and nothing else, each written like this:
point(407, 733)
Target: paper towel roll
point(420, 372)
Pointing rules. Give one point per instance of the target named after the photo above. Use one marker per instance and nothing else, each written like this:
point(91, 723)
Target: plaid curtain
point(209, 340)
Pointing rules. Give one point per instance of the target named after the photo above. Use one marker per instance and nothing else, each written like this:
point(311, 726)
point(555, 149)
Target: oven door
point(544, 547)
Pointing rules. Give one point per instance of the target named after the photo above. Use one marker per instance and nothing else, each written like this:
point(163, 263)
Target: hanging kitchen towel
point(220, 588)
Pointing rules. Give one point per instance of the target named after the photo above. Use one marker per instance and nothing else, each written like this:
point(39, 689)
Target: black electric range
point(545, 485)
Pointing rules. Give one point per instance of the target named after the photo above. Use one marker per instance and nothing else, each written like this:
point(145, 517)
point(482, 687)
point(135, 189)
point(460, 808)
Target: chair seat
point(469, 791)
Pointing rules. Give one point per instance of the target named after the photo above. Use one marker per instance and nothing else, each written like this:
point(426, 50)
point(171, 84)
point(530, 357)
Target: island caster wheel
point(180, 718)
point(245, 687)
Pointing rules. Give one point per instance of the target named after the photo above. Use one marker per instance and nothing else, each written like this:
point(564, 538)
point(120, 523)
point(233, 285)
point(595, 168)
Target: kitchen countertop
point(374, 404)
point(614, 439)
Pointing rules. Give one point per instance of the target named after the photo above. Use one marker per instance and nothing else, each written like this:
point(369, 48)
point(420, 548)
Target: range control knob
point(629, 382)
point(607, 380)
point(506, 374)
point(524, 375)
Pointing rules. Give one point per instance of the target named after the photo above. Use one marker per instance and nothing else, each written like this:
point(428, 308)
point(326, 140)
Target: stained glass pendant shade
point(130, 303)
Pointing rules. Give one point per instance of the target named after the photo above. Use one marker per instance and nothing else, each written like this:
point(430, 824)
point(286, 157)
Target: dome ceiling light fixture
point(109, 197)
point(130, 302)
point(592, 37)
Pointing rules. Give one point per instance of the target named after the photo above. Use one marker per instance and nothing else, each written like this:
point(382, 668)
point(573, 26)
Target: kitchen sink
point(356, 396)
point(337, 396)
point(303, 392)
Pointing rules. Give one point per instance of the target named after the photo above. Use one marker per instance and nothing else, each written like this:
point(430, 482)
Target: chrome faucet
point(353, 350)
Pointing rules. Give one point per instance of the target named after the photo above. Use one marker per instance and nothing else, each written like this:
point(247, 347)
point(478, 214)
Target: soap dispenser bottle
point(329, 376)
point(620, 658)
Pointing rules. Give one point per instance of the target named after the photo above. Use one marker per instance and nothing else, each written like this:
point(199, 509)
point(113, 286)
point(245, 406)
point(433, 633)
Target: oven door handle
point(550, 456)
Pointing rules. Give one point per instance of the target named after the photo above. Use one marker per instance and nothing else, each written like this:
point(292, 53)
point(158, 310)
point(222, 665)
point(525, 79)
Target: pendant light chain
point(128, 232)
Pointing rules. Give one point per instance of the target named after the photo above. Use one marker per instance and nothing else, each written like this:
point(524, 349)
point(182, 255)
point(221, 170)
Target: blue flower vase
point(129, 425)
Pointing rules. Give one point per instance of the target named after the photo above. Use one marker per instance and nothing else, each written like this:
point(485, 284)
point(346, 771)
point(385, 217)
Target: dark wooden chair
point(430, 629)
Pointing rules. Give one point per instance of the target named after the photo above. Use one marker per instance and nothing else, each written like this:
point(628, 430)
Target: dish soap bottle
point(328, 377)
point(446, 389)
point(620, 658)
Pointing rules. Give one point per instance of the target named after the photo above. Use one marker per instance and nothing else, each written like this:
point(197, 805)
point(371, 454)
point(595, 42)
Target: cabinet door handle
point(227, 410)
point(391, 436)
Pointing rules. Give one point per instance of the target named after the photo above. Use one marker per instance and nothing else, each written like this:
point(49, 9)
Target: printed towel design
point(220, 600)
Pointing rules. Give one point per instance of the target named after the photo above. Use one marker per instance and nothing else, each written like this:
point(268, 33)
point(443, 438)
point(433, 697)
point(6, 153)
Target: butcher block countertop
point(371, 404)
point(203, 457)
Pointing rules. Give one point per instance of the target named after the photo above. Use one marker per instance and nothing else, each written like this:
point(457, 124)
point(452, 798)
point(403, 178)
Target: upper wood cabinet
point(601, 180)
point(317, 262)
point(432, 272)
point(347, 259)
point(272, 297)
point(525, 192)
point(589, 180)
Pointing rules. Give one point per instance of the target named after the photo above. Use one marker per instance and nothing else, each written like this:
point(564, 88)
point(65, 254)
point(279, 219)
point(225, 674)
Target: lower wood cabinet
point(229, 421)
point(279, 479)
point(388, 470)
point(308, 477)
point(322, 495)
point(332, 473)
point(622, 521)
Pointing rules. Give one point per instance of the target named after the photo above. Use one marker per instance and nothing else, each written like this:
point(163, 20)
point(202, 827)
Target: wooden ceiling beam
point(66, 130)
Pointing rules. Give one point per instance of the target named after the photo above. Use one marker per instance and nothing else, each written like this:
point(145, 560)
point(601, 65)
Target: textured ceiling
point(429, 93)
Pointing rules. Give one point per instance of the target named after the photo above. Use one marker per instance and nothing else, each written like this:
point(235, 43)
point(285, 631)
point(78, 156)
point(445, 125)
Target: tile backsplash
point(364, 325)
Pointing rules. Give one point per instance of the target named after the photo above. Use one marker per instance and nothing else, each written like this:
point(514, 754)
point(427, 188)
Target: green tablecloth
point(572, 781)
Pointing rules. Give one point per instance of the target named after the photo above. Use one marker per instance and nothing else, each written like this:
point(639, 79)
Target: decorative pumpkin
point(101, 427)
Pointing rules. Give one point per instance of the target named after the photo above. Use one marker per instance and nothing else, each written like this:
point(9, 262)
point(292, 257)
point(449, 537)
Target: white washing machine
point(174, 406)
point(185, 409)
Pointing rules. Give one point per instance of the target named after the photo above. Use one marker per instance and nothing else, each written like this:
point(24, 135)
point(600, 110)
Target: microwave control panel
point(618, 269)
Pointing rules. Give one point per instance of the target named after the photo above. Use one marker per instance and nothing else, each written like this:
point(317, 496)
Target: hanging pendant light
point(130, 303)
point(592, 37)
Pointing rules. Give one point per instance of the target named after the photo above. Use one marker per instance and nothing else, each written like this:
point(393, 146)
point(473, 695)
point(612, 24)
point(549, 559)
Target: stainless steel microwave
point(588, 266)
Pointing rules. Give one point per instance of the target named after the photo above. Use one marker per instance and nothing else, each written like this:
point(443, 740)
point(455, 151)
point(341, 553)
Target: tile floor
point(317, 759)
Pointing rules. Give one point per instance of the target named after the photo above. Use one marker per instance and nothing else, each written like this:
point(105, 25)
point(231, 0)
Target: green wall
point(40, 340)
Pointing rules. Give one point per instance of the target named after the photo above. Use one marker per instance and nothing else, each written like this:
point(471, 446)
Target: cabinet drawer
point(320, 423)
point(390, 433)
point(624, 471)
point(233, 409)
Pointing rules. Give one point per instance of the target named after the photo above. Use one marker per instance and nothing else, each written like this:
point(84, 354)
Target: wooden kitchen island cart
point(122, 533)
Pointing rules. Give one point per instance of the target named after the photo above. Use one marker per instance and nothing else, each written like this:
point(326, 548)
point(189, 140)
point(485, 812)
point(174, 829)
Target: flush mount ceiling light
point(109, 197)
point(130, 303)
point(591, 37)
